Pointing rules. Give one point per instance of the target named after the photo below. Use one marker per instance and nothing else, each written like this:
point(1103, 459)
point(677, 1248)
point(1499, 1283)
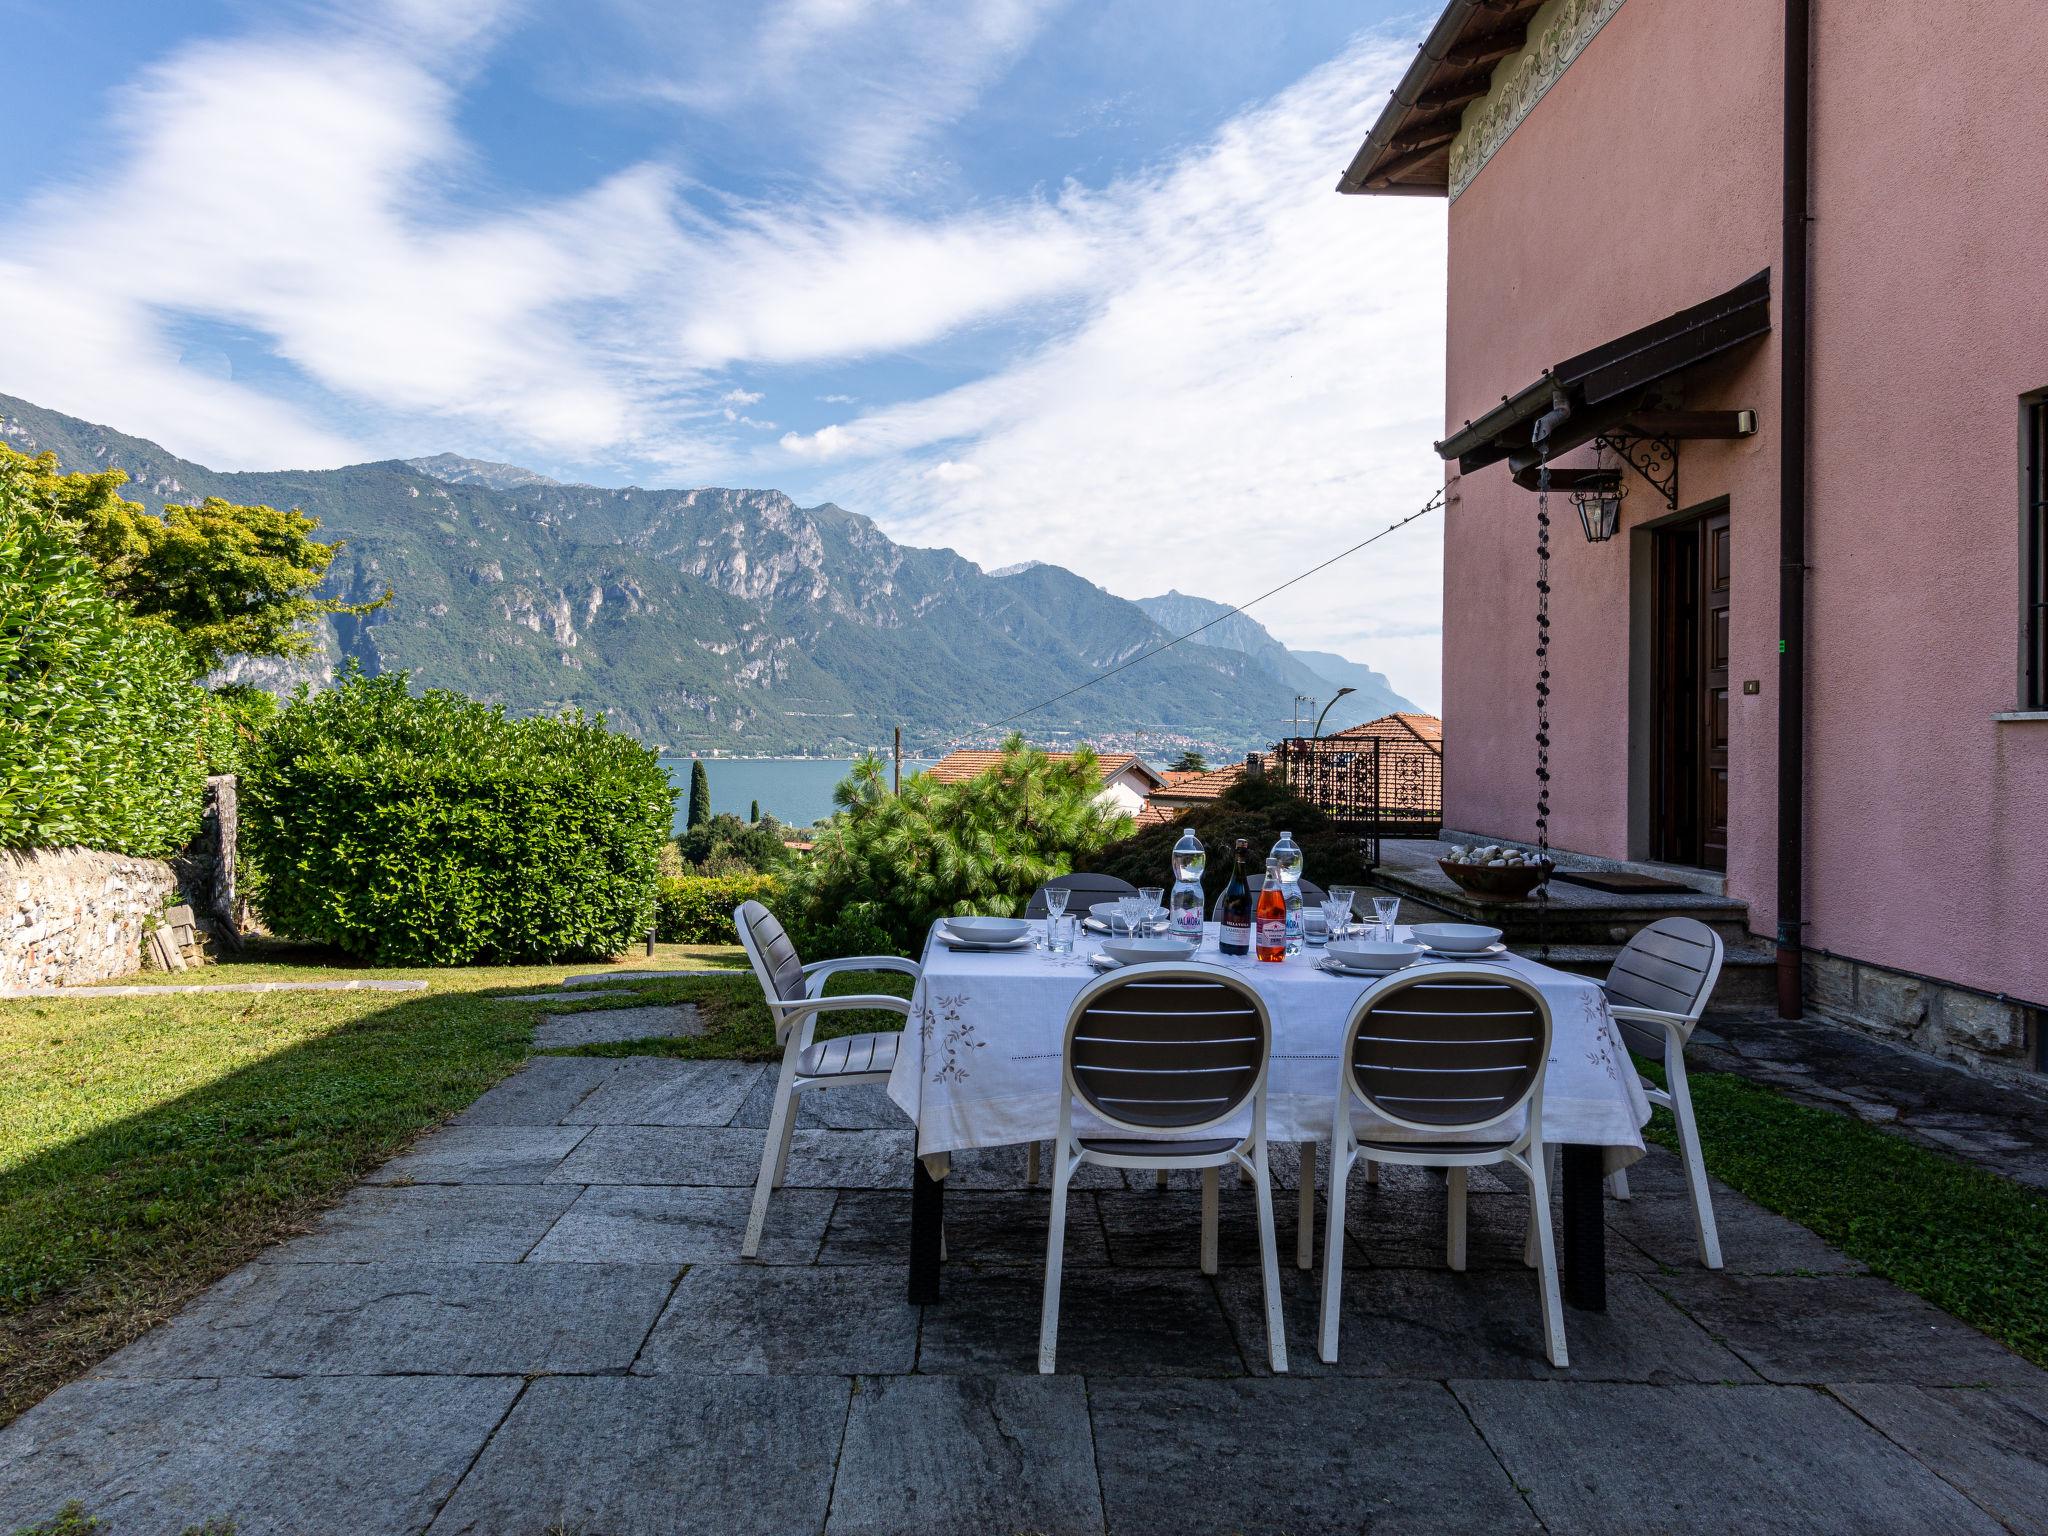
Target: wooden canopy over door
point(1689, 743)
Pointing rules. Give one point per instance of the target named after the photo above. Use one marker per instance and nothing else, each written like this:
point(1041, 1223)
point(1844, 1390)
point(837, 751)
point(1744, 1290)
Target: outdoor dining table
point(979, 1066)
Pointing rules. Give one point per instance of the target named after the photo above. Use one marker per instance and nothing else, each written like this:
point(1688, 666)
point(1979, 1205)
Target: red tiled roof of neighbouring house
point(1402, 725)
point(971, 764)
point(1195, 788)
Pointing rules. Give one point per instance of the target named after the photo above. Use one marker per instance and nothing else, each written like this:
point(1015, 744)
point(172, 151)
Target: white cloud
point(952, 473)
point(826, 443)
point(742, 397)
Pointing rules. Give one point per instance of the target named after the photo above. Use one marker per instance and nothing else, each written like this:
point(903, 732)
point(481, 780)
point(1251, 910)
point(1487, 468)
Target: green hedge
point(697, 909)
point(433, 830)
point(99, 716)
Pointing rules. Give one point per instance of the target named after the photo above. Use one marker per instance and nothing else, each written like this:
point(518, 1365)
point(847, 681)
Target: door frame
point(1642, 671)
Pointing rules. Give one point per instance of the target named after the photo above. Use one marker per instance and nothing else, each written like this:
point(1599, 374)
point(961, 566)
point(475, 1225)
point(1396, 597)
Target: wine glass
point(1150, 894)
point(1387, 909)
point(1348, 895)
point(1336, 916)
point(1055, 908)
point(1129, 908)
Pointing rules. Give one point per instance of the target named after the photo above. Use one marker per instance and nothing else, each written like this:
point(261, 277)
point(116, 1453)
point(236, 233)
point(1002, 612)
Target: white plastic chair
point(1657, 990)
point(1159, 1055)
point(1448, 1054)
point(794, 993)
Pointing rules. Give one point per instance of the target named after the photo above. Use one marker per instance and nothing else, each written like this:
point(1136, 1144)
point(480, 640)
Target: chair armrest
point(818, 970)
point(788, 1015)
point(1672, 1023)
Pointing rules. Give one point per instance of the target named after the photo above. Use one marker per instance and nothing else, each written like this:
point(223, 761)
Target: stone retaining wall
point(75, 914)
point(1996, 1037)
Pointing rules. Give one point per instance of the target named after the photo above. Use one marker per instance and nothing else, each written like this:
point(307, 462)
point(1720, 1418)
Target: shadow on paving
point(536, 1321)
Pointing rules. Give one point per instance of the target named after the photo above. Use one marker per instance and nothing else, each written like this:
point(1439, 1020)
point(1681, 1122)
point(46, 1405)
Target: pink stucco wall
point(1646, 180)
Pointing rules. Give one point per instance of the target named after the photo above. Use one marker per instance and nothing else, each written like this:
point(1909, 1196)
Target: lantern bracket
point(1650, 455)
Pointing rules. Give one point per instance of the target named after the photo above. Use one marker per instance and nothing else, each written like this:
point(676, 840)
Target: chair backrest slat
point(1452, 1050)
point(1083, 891)
point(1167, 1047)
point(776, 963)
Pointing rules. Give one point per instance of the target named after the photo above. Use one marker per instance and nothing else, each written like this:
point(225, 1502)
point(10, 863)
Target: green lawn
point(149, 1145)
point(1971, 1242)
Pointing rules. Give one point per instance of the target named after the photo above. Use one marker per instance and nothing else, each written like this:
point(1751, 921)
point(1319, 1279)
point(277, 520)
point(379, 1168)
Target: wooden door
point(1689, 743)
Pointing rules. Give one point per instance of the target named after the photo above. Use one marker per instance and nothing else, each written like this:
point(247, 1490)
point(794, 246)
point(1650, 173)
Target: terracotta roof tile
point(1402, 725)
point(1199, 786)
point(971, 763)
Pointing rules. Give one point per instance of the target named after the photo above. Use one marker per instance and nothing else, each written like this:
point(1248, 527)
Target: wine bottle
point(1236, 907)
point(1272, 915)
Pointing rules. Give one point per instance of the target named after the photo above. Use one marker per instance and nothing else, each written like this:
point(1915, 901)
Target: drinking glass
point(1055, 908)
point(1348, 894)
point(1336, 917)
point(1151, 895)
point(1387, 909)
point(1060, 932)
point(1128, 908)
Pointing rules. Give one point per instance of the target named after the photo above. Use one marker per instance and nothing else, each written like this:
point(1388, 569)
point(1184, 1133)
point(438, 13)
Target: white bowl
point(1373, 955)
point(1108, 911)
point(1456, 938)
point(1146, 951)
point(988, 930)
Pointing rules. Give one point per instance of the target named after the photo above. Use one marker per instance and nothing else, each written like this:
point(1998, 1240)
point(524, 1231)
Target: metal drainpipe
point(1792, 387)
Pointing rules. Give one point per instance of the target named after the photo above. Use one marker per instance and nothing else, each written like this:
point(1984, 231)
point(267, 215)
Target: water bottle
point(1184, 906)
point(1286, 857)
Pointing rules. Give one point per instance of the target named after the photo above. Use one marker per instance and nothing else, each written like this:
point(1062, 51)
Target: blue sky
point(1030, 279)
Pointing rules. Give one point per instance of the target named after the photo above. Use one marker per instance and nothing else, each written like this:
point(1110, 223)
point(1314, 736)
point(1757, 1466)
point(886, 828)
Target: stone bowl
point(1511, 882)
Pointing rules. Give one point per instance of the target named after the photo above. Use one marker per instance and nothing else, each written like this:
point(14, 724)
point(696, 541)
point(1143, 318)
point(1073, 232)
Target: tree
point(700, 794)
point(100, 721)
point(1189, 761)
point(725, 845)
point(754, 810)
point(230, 580)
point(888, 865)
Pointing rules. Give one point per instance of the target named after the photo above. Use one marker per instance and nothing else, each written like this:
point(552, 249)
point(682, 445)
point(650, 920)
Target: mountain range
point(731, 620)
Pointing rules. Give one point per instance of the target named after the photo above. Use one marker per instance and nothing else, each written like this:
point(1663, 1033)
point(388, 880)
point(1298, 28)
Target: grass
point(148, 1145)
point(1971, 1242)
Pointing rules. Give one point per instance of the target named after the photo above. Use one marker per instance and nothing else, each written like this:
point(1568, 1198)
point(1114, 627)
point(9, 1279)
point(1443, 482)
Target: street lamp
point(1326, 709)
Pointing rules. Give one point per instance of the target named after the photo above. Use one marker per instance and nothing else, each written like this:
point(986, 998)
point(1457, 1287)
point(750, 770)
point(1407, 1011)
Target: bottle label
point(1235, 936)
point(1272, 933)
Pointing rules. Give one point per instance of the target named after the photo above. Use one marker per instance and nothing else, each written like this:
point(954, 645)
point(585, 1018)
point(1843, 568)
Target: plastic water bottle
point(1286, 857)
point(1184, 905)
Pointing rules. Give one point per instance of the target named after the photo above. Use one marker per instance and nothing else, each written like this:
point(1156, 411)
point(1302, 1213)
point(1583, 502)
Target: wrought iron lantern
point(1598, 498)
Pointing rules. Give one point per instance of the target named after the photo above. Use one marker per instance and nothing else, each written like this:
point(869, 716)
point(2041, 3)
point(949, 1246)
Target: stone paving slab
point(636, 1224)
point(1990, 1443)
point(1162, 1229)
point(783, 1320)
point(1300, 1457)
point(557, 997)
point(404, 1319)
point(429, 1223)
point(650, 1091)
point(483, 1154)
point(599, 978)
point(1753, 1459)
point(864, 1107)
point(1656, 1220)
point(982, 1228)
point(600, 1026)
point(280, 1458)
point(1434, 1324)
point(731, 1155)
point(1114, 1321)
point(542, 1092)
point(1844, 1328)
point(967, 1456)
point(656, 1456)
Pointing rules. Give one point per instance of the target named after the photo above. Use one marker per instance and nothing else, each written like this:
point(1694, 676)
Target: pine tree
point(700, 794)
point(754, 811)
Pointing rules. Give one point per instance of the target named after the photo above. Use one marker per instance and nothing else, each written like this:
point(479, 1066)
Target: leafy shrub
point(431, 829)
point(725, 845)
point(99, 716)
point(234, 716)
point(697, 909)
point(1258, 810)
point(886, 865)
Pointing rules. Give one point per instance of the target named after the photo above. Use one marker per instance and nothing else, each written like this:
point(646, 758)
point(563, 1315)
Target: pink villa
point(1773, 272)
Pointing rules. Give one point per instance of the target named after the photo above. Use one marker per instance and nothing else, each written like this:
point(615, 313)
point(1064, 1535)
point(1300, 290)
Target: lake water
point(796, 790)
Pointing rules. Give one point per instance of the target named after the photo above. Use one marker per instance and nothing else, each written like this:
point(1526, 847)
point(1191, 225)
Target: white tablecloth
point(979, 1065)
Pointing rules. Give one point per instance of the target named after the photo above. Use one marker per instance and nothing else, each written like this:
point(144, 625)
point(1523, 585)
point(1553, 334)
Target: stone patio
point(535, 1321)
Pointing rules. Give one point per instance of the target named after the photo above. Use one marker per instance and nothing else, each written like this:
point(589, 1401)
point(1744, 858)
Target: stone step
point(1749, 972)
point(1572, 915)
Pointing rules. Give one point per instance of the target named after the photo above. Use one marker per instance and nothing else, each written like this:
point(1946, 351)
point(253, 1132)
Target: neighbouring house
point(1700, 256)
point(1126, 780)
point(1185, 792)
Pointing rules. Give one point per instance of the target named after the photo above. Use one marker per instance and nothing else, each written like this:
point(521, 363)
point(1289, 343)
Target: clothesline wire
point(1434, 503)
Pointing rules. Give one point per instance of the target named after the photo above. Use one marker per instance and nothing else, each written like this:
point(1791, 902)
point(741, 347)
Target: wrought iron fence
point(1378, 788)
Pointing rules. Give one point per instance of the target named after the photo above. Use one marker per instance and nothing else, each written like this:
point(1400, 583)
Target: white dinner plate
point(1488, 953)
point(1333, 968)
point(953, 940)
